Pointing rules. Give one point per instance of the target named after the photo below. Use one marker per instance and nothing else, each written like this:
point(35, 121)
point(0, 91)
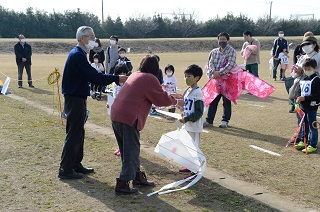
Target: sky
point(202, 10)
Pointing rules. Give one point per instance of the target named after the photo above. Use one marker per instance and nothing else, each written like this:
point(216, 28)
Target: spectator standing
point(122, 59)
point(297, 53)
point(170, 84)
point(97, 50)
point(284, 61)
point(254, 59)
point(112, 54)
point(23, 52)
point(278, 45)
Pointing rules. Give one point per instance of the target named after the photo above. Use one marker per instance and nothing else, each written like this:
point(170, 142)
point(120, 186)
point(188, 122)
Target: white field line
point(264, 150)
point(156, 117)
point(256, 105)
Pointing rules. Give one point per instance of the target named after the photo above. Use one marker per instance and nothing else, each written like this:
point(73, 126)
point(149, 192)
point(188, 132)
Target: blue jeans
point(307, 130)
point(213, 109)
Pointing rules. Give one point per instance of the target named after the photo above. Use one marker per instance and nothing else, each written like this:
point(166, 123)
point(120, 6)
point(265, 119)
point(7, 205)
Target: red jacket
point(134, 101)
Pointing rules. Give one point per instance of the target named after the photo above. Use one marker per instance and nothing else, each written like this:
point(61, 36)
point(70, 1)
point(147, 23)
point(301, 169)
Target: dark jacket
point(100, 53)
point(23, 52)
point(278, 46)
point(314, 96)
point(126, 61)
point(78, 72)
point(297, 51)
point(160, 77)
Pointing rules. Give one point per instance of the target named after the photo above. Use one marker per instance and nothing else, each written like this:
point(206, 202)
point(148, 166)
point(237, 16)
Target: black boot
point(141, 179)
point(123, 187)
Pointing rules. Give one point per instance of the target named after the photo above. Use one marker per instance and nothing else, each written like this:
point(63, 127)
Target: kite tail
point(198, 175)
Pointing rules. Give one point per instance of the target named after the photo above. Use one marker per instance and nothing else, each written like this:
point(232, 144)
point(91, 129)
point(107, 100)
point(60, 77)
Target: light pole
point(270, 2)
point(102, 12)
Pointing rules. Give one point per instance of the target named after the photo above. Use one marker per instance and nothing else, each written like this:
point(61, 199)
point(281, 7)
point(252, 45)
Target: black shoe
point(19, 86)
point(31, 86)
point(141, 179)
point(69, 175)
point(83, 170)
point(123, 187)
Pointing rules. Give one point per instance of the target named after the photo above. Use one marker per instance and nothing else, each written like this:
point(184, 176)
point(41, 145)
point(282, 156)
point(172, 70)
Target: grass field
point(32, 140)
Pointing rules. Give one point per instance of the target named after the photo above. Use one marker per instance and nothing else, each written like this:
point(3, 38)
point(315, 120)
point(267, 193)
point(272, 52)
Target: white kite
point(173, 115)
point(179, 147)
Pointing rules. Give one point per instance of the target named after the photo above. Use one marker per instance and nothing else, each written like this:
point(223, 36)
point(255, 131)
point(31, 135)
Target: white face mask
point(307, 49)
point(308, 73)
point(122, 55)
point(91, 44)
point(23, 40)
point(112, 42)
point(169, 73)
point(281, 35)
point(96, 61)
point(121, 83)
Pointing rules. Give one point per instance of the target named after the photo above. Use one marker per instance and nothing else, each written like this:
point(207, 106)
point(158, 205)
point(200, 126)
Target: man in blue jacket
point(76, 76)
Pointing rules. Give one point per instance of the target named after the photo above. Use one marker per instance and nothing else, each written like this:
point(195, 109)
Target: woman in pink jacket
point(129, 113)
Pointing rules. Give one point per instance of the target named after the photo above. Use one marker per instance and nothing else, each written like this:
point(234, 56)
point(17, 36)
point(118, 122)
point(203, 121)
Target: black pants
point(213, 109)
point(275, 67)
point(75, 109)
point(128, 139)
point(20, 72)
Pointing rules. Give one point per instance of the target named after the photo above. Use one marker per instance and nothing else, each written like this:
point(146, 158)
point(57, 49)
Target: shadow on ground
point(104, 192)
point(205, 195)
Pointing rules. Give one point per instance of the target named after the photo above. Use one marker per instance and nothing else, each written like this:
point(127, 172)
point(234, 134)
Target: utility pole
point(270, 2)
point(102, 12)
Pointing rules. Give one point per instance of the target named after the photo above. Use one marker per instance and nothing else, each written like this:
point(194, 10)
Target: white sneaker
point(223, 124)
point(206, 124)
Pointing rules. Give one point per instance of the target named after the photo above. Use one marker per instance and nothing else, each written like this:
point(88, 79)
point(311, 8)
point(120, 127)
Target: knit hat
point(309, 40)
point(307, 34)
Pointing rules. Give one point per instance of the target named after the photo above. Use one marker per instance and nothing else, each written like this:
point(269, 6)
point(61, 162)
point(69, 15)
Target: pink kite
point(247, 51)
point(231, 86)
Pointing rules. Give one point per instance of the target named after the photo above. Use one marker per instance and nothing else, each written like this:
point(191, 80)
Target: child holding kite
point(193, 106)
point(309, 100)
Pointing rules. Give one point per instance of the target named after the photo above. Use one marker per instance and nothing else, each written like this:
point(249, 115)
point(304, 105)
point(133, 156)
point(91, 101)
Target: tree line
point(40, 24)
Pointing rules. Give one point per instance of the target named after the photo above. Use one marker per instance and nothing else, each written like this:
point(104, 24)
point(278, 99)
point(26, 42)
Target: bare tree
point(140, 27)
point(266, 26)
point(185, 24)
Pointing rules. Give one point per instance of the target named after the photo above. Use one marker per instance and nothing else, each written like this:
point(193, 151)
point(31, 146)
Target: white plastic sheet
point(179, 147)
point(110, 102)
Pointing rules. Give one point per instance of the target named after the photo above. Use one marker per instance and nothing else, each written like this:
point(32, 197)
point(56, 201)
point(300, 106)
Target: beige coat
point(255, 55)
